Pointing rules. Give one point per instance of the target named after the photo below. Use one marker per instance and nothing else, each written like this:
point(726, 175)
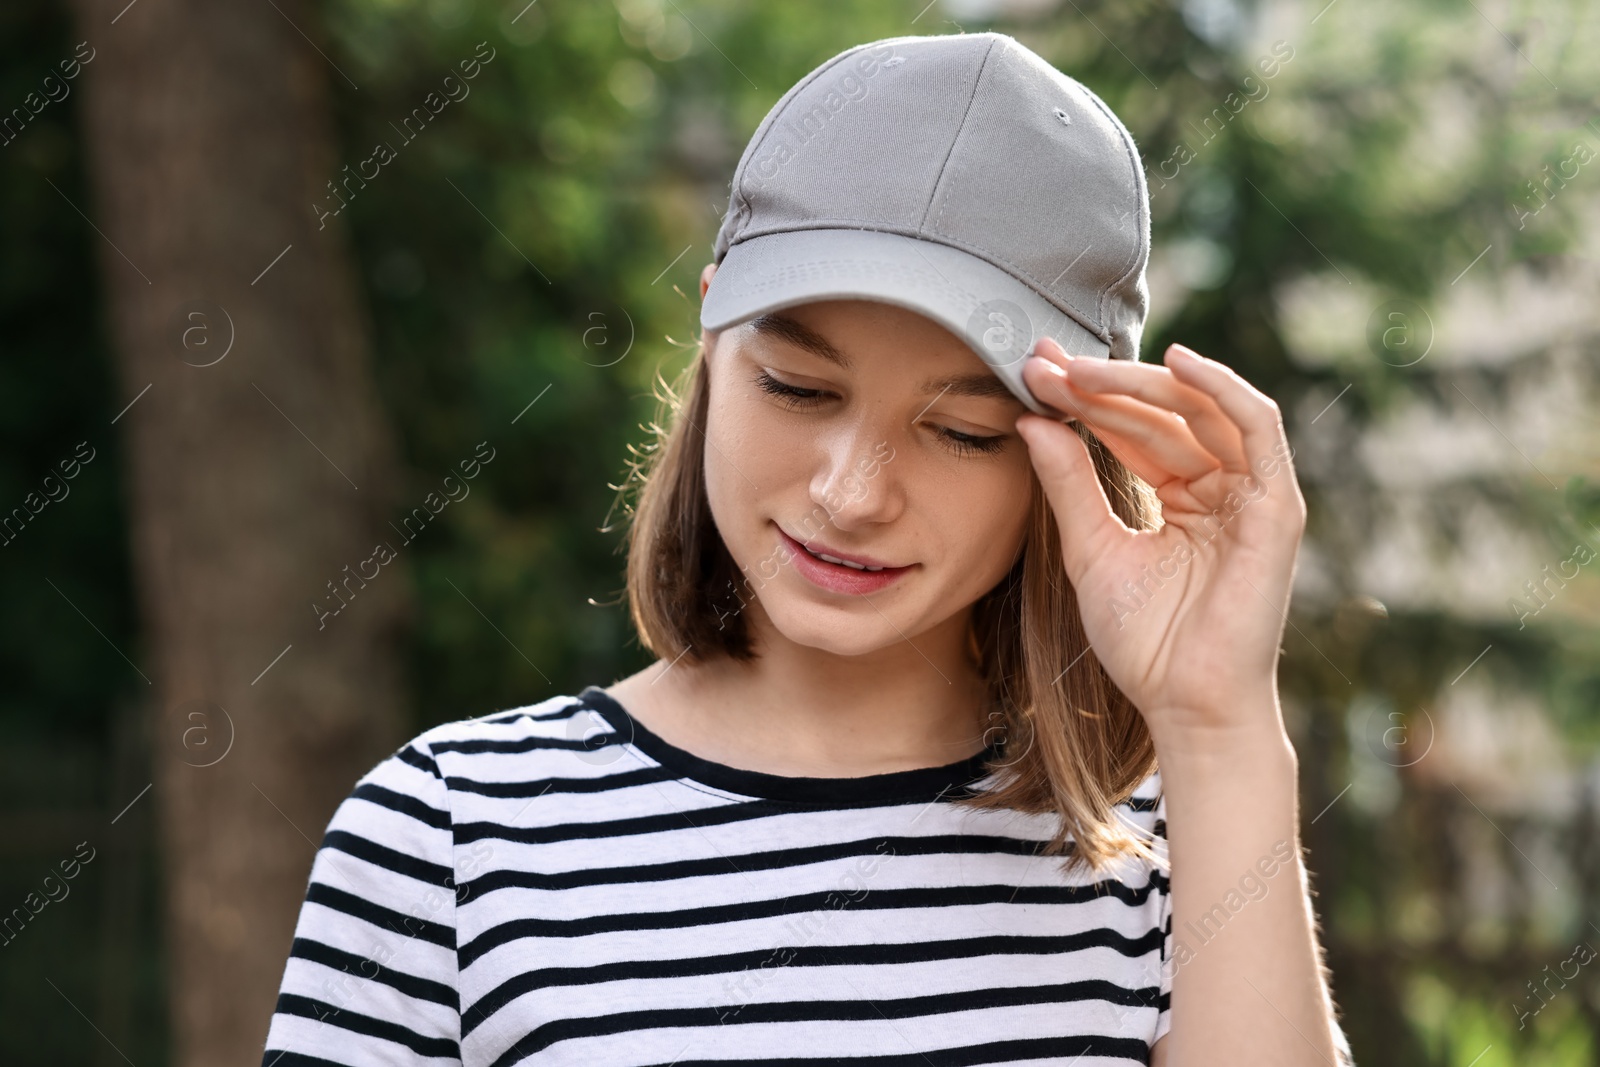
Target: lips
point(854, 560)
point(840, 572)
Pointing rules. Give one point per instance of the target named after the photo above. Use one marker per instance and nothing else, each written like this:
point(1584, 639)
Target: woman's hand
point(1186, 619)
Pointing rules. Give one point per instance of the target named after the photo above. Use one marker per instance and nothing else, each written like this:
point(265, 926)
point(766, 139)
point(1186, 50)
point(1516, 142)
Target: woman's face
point(869, 433)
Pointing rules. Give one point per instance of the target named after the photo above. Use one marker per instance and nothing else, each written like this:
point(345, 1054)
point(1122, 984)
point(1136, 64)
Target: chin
point(839, 631)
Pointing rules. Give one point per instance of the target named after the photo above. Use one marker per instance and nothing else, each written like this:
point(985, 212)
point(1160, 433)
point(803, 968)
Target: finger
point(1156, 385)
point(1070, 407)
point(1252, 411)
point(1176, 494)
point(1132, 457)
point(1178, 499)
point(1160, 434)
point(1079, 501)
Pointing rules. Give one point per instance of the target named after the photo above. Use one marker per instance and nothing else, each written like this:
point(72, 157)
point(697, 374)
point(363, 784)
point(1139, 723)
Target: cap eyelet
point(1066, 119)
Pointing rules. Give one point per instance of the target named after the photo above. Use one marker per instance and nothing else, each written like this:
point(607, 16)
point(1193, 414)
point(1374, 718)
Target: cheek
point(749, 458)
point(986, 523)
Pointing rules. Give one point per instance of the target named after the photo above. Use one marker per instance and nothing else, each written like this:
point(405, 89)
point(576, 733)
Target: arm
point(1248, 981)
point(1187, 619)
point(371, 976)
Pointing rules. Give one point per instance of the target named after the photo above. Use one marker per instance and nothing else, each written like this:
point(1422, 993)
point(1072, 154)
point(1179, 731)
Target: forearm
point(1247, 987)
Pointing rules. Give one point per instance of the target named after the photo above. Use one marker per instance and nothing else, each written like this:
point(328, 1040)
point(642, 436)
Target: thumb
point(1067, 475)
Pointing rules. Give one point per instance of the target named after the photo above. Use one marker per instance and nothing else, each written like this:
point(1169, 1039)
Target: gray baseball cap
point(960, 176)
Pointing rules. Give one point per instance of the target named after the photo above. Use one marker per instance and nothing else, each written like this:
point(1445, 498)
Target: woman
point(890, 792)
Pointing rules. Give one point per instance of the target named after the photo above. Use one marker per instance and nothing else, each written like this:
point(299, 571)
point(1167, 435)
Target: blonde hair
point(1072, 743)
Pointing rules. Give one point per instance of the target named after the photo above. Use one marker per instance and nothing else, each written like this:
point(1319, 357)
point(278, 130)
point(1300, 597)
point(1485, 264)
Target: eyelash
point(794, 398)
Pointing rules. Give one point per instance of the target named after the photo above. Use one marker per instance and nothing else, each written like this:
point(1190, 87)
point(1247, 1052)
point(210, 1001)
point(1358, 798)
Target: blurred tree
point(261, 473)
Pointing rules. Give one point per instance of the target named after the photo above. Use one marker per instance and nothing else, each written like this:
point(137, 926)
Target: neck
point(799, 710)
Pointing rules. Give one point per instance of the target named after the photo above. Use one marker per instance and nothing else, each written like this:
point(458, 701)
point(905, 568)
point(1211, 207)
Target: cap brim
point(997, 316)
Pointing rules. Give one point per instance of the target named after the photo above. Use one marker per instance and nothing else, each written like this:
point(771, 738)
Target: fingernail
point(1053, 343)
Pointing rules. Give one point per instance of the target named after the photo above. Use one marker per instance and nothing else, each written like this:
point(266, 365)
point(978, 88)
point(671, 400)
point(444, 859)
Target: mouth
point(856, 560)
point(839, 572)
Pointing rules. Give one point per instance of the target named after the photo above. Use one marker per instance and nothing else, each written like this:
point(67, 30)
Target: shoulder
point(409, 806)
point(420, 778)
point(557, 722)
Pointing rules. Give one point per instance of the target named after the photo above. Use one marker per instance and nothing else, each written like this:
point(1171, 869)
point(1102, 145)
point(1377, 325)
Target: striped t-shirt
point(559, 885)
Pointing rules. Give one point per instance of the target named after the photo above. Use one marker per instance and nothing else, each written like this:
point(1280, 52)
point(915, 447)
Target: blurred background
point(329, 327)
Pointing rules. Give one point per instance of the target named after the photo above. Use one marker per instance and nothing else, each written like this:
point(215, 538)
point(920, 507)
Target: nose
point(855, 485)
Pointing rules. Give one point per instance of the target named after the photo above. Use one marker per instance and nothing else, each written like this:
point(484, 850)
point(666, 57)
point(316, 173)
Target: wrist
point(1256, 738)
point(1249, 780)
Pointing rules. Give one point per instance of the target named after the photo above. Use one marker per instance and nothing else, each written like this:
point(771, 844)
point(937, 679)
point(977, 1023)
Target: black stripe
point(538, 787)
point(389, 859)
point(477, 746)
point(1063, 1049)
point(517, 745)
point(501, 718)
point(285, 1058)
point(418, 759)
point(404, 804)
point(606, 783)
point(771, 859)
point(919, 785)
point(733, 811)
point(878, 899)
point(366, 969)
point(309, 1008)
point(862, 1011)
point(815, 956)
point(378, 915)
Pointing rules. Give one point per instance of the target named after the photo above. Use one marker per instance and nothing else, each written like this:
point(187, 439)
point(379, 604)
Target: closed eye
point(795, 397)
point(791, 396)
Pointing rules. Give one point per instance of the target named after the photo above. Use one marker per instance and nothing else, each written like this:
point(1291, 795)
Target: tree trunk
point(260, 467)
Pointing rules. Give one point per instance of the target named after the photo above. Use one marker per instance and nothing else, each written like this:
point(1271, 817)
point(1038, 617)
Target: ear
point(708, 339)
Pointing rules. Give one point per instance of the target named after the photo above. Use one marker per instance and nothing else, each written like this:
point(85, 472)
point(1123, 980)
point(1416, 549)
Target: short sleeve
point(1163, 923)
point(371, 975)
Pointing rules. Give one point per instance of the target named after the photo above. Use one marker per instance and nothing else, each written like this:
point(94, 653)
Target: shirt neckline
point(917, 784)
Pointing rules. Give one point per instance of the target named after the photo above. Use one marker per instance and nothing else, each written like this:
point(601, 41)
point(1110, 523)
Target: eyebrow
point(982, 385)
